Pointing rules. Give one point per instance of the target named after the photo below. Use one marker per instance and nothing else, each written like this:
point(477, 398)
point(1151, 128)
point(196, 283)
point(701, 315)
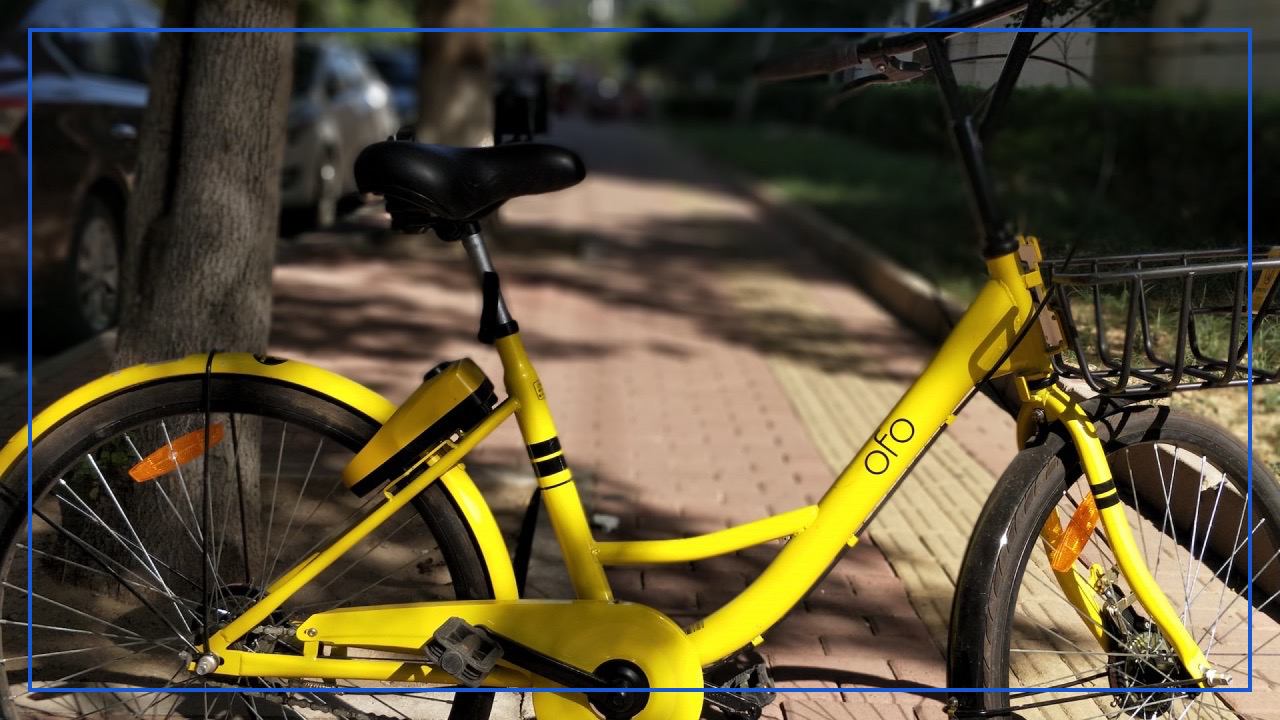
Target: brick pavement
point(705, 369)
point(670, 412)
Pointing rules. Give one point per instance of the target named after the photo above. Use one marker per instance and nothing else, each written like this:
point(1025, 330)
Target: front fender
point(331, 386)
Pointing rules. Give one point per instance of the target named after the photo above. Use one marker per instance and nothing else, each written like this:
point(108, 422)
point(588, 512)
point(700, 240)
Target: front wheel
point(1184, 483)
point(121, 556)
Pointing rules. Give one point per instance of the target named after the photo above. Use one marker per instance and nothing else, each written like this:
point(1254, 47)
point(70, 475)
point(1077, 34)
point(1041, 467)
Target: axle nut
point(207, 663)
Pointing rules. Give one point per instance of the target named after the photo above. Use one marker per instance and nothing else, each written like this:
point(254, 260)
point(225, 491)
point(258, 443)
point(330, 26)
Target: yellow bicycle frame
point(984, 336)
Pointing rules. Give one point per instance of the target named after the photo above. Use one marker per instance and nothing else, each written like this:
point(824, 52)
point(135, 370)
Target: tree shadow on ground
point(696, 270)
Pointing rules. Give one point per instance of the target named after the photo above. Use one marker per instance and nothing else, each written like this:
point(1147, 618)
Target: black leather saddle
point(426, 184)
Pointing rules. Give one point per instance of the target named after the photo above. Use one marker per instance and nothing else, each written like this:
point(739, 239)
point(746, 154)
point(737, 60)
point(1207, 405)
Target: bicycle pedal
point(746, 694)
point(464, 651)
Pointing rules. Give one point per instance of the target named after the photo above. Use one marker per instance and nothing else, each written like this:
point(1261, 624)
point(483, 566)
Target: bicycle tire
point(1008, 530)
point(90, 427)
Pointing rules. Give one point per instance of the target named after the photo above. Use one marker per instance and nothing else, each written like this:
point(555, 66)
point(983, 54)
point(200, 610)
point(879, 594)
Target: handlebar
point(824, 61)
point(821, 61)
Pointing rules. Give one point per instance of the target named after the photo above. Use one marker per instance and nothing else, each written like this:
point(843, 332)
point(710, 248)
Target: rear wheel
point(120, 614)
point(1183, 482)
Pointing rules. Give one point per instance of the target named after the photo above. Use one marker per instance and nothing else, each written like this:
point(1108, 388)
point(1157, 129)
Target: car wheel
point(88, 301)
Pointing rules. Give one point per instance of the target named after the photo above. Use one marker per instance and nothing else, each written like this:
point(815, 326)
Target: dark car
point(88, 91)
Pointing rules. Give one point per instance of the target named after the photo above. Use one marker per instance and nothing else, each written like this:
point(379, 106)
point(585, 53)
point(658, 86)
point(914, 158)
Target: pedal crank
point(746, 694)
point(467, 652)
point(581, 646)
point(470, 652)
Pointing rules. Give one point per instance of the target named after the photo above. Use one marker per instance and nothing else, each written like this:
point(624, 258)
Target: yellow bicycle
point(244, 535)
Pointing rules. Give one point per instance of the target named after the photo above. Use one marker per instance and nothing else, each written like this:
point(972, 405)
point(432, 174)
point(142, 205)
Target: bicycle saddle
point(424, 183)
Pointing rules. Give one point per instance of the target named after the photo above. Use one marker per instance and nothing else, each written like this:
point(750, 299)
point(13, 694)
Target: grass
point(913, 208)
point(1228, 407)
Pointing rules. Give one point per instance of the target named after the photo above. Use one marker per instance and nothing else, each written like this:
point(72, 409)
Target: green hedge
point(1180, 159)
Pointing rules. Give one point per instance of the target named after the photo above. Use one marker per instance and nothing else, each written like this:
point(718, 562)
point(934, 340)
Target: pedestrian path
point(705, 369)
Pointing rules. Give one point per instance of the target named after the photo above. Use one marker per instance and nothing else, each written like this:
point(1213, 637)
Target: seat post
point(495, 320)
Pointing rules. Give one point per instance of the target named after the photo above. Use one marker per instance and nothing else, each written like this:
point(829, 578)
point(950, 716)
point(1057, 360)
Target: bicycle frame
point(997, 336)
point(985, 343)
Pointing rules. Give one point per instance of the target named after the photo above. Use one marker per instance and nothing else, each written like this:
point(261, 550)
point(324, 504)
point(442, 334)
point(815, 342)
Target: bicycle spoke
point(271, 512)
point(142, 712)
point(333, 535)
point(1193, 564)
point(1222, 593)
point(1088, 620)
point(85, 568)
point(81, 507)
point(1264, 604)
point(357, 561)
point(364, 590)
point(47, 684)
point(1223, 573)
point(1133, 488)
point(107, 561)
point(182, 485)
point(165, 496)
point(54, 653)
point(146, 554)
point(143, 563)
point(72, 631)
point(289, 526)
point(68, 608)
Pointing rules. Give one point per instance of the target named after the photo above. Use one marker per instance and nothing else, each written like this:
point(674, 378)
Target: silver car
point(339, 106)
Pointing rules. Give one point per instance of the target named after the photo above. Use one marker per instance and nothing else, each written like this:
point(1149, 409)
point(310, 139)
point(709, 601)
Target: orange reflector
point(1071, 542)
point(1052, 529)
point(179, 452)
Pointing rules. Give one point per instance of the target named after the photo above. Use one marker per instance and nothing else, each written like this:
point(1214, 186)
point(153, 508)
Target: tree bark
point(455, 100)
point(202, 224)
point(200, 242)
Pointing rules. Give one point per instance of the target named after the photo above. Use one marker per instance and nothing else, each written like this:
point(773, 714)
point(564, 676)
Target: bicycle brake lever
point(889, 70)
point(853, 87)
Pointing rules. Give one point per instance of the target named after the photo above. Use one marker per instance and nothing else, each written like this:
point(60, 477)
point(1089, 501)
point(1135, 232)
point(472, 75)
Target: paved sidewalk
point(640, 296)
point(705, 369)
point(666, 386)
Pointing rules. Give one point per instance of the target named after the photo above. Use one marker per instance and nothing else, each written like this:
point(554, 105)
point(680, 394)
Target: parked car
point(398, 67)
point(88, 95)
point(339, 106)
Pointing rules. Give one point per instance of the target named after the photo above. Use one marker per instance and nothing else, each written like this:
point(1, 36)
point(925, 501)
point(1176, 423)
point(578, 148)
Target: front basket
point(1144, 325)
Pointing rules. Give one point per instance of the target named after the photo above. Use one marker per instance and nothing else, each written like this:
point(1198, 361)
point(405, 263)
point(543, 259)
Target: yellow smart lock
point(453, 398)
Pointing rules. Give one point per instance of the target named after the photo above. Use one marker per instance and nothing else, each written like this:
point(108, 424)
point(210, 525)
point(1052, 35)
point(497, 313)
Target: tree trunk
point(202, 224)
point(455, 101)
point(200, 244)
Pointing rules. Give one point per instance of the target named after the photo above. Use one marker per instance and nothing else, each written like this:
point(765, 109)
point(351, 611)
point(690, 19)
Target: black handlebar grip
point(821, 61)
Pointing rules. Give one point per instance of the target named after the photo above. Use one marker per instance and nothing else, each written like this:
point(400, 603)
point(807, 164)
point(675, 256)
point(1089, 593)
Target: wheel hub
point(1144, 660)
point(230, 601)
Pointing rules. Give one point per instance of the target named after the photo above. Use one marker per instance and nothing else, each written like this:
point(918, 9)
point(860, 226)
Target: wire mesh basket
point(1144, 325)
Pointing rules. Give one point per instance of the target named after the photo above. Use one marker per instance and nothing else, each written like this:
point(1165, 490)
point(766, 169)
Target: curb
point(919, 304)
point(67, 366)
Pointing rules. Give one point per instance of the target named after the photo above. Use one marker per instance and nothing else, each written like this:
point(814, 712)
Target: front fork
point(1057, 404)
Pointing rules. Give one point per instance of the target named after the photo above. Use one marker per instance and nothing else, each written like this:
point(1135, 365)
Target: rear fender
point(335, 388)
